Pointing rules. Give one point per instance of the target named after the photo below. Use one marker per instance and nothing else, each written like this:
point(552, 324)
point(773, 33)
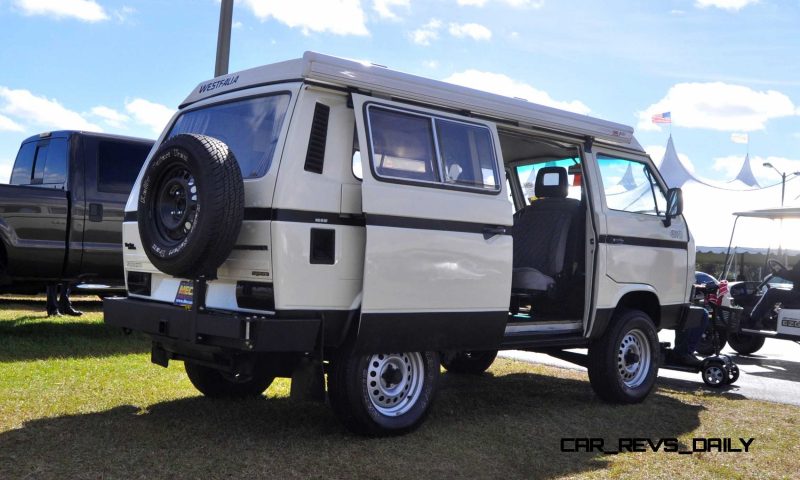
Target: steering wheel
point(776, 267)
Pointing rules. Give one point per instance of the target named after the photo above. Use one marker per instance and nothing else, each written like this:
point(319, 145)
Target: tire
point(623, 363)
point(191, 206)
point(745, 344)
point(706, 345)
point(215, 384)
point(369, 403)
point(469, 362)
point(714, 374)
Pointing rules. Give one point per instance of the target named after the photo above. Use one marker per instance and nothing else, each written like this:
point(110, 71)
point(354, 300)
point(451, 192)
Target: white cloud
point(112, 117)
point(656, 153)
point(432, 64)
point(41, 111)
point(511, 3)
point(733, 5)
point(5, 170)
point(123, 14)
point(237, 25)
point(472, 30)
point(503, 85)
point(154, 115)
point(8, 125)
point(340, 17)
point(426, 33)
point(384, 7)
point(86, 10)
point(718, 106)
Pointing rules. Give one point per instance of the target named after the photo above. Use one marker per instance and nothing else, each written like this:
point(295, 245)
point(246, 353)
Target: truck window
point(55, 167)
point(118, 165)
point(631, 186)
point(23, 166)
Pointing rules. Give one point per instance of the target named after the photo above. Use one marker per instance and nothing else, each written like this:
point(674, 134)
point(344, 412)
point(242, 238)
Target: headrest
point(551, 182)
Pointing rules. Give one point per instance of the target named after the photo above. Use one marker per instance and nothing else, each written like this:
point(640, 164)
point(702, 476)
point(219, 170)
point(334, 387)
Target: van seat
point(541, 233)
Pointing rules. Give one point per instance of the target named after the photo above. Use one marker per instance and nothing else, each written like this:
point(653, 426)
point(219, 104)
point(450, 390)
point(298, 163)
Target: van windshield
point(249, 127)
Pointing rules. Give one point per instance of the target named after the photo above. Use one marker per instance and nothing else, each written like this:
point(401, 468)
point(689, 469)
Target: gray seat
point(542, 244)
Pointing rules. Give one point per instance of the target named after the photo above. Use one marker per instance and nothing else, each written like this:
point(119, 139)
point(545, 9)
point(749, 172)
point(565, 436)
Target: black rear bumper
point(232, 330)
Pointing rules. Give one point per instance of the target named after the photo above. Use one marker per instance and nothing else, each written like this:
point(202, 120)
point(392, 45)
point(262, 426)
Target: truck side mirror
point(674, 205)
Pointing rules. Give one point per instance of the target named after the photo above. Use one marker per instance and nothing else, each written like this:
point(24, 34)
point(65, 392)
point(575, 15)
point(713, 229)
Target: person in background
point(60, 306)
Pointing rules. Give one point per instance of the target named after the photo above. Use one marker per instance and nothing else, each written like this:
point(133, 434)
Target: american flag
point(665, 117)
point(716, 298)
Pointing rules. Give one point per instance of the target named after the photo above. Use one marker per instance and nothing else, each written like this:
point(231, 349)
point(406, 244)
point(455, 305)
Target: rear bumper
point(232, 330)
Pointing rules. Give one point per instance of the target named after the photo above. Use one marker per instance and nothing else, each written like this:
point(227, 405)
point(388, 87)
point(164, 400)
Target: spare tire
point(191, 206)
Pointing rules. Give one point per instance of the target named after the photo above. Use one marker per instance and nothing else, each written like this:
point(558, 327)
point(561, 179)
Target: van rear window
point(249, 127)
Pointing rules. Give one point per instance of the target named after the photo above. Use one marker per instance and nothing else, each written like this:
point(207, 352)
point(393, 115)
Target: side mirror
point(674, 205)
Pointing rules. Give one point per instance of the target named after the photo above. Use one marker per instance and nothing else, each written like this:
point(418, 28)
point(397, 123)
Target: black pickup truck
point(61, 215)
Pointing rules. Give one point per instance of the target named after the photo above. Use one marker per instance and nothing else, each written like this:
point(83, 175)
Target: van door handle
point(489, 232)
point(617, 240)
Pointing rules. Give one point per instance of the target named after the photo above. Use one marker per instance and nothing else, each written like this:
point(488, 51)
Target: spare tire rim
point(394, 382)
point(175, 207)
point(634, 358)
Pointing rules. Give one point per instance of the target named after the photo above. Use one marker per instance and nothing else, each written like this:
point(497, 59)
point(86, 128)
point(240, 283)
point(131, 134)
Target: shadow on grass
point(32, 337)
point(508, 426)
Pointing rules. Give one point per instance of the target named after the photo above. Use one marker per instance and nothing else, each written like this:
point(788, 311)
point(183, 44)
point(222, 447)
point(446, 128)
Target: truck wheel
point(623, 363)
point(745, 344)
point(215, 384)
point(191, 205)
point(382, 394)
point(469, 362)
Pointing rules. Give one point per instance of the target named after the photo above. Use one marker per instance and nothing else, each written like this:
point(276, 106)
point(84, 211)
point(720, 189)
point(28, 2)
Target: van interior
point(545, 180)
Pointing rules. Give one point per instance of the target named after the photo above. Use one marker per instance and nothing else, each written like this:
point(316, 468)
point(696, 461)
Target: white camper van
point(322, 217)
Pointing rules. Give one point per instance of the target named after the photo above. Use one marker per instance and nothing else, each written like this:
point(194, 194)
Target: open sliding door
point(438, 257)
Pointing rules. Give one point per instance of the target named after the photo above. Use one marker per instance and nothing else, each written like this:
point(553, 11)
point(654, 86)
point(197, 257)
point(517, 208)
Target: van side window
point(425, 148)
point(357, 165)
point(118, 165)
point(402, 145)
point(23, 166)
point(467, 154)
point(631, 186)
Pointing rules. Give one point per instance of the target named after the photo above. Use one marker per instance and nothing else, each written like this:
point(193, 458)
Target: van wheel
point(623, 363)
point(215, 384)
point(190, 206)
point(382, 394)
point(745, 344)
point(469, 362)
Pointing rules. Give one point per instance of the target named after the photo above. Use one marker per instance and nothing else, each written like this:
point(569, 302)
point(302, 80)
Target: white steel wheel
point(623, 362)
point(384, 393)
point(634, 358)
point(394, 381)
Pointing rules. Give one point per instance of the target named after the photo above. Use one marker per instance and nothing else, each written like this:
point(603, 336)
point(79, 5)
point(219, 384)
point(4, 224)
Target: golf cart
point(783, 319)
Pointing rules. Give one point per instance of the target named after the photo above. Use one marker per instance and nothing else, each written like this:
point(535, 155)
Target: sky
point(723, 68)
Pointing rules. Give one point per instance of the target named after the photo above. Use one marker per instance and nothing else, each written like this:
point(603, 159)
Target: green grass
point(79, 400)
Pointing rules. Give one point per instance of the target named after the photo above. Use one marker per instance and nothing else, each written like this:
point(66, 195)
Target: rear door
point(111, 167)
point(438, 257)
point(640, 248)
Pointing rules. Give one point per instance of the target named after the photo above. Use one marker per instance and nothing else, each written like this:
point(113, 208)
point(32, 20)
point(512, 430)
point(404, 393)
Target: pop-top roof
point(378, 79)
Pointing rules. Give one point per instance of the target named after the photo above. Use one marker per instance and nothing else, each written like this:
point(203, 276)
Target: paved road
point(772, 373)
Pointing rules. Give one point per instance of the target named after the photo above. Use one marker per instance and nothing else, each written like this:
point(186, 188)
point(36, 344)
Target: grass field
point(79, 400)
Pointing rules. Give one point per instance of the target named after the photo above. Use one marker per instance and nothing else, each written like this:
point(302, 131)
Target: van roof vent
point(315, 156)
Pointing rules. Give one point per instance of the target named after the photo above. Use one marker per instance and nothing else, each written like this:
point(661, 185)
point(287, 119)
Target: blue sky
point(720, 66)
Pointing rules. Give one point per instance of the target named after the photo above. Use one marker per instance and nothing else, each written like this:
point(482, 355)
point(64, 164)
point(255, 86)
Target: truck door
point(438, 256)
point(640, 249)
point(111, 168)
point(36, 217)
